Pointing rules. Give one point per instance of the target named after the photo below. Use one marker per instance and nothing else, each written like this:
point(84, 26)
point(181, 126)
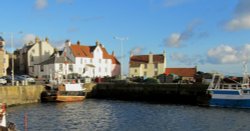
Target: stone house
point(150, 65)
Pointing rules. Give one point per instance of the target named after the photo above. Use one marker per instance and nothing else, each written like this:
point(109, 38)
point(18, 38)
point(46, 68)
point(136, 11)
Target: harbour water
point(111, 115)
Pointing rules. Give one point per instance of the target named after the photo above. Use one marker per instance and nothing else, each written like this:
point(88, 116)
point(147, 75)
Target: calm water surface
point(110, 115)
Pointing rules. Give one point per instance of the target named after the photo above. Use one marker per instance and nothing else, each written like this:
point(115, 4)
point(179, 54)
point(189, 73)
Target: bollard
point(17, 83)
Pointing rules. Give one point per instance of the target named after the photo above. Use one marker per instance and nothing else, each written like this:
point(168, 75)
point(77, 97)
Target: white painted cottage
point(80, 60)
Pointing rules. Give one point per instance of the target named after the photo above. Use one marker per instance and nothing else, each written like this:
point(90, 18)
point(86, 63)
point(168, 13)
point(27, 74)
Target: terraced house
point(32, 53)
point(4, 57)
point(82, 60)
point(150, 65)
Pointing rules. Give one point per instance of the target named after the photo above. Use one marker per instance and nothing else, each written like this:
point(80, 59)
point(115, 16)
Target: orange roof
point(87, 51)
point(186, 72)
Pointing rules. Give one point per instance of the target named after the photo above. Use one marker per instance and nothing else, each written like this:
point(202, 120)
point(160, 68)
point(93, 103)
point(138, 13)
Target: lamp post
point(121, 41)
point(12, 57)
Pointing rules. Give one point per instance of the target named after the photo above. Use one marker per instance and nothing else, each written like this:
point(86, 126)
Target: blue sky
point(210, 34)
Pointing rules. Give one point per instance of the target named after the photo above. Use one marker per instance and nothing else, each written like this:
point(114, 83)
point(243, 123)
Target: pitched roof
point(55, 59)
point(136, 60)
point(87, 51)
point(186, 72)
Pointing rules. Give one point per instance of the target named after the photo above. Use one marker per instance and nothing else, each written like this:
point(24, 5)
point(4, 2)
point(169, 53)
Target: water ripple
point(110, 115)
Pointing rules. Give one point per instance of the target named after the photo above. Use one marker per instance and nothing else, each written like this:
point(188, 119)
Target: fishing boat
point(236, 95)
point(64, 93)
point(4, 125)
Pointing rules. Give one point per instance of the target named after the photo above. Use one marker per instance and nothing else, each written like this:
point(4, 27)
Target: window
point(91, 61)
point(145, 66)
point(156, 73)
point(42, 68)
point(71, 68)
point(135, 70)
point(156, 66)
point(106, 61)
point(4, 60)
point(33, 50)
point(100, 69)
point(81, 61)
point(61, 67)
point(106, 69)
point(145, 73)
point(100, 60)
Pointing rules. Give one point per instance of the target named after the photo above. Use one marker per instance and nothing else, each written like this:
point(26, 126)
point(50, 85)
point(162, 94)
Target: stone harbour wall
point(16, 95)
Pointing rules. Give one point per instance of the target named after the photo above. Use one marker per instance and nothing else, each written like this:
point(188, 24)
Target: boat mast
point(245, 73)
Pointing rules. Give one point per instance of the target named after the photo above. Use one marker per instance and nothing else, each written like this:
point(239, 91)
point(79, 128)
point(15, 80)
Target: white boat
point(236, 95)
point(4, 125)
point(3, 115)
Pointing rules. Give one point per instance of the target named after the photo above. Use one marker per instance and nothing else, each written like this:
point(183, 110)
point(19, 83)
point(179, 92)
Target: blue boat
point(236, 95)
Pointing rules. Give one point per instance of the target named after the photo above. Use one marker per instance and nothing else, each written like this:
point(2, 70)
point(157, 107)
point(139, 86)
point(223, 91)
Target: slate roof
point(184, 72)
point(55, 59)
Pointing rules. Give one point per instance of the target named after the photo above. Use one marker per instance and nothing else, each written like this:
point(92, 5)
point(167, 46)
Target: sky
point(210, 34)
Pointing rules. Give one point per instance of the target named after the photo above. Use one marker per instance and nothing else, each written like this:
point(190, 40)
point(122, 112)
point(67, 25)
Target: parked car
point(8, 78)
point(28, 78)
point(3, 81)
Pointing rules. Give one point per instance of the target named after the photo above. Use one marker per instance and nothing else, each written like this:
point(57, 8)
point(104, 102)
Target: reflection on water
point(109, 115)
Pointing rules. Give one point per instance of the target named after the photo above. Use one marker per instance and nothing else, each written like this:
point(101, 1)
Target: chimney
point(37, 39)
point(56, 52)
point(47, 39)
point(113, 53)
point(67, 43)
point(131, 53)
point(78, 42)
point(97, 43)
point(150, 57)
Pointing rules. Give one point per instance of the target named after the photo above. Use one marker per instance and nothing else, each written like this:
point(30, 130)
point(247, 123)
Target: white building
point(81, 61)
point(92, 61)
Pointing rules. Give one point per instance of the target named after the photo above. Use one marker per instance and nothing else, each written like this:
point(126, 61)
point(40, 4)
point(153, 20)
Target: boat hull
point(240, 103)
point(69, 98)
point(58, 97)
point(229, 98)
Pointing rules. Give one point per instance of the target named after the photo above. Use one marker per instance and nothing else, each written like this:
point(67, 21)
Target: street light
point(12, 48)
point(121, 41)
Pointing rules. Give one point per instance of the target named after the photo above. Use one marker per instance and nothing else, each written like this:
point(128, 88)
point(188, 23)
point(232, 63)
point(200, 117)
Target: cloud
point(28, 38)
point(59, 44)
point(225, 54)
point(41, 4)
point(176, 39)
point(186, 59)
point(238, 23)
point(137, 50)
point(241, 17)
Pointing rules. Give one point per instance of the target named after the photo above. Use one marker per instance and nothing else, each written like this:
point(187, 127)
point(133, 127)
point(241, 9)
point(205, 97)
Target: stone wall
point(15, 95)
point(167, 93)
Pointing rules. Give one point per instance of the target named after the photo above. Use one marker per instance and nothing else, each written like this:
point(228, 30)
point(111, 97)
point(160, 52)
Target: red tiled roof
point(136, 60)
point(186, 72)
point(87, 51)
